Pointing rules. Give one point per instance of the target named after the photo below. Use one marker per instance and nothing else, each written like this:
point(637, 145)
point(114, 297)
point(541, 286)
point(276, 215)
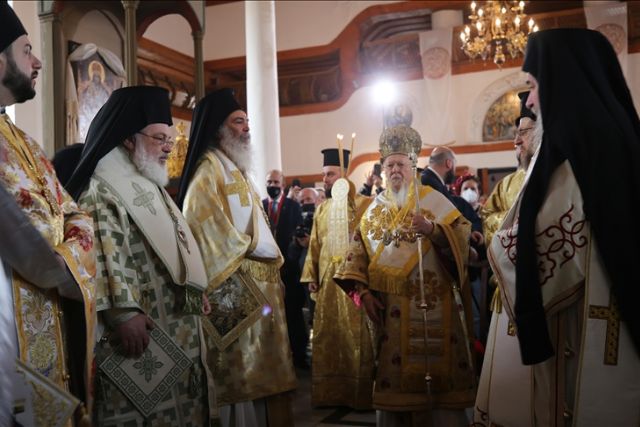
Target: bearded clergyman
point(150, 278)
point(246, 331)
point(46, 308)
point(381, 272)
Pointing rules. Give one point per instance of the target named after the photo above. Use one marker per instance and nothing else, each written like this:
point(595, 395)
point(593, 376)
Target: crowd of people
point(135, 308)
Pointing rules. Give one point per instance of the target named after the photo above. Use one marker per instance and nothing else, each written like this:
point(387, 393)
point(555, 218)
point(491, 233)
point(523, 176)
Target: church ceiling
point(381, 40)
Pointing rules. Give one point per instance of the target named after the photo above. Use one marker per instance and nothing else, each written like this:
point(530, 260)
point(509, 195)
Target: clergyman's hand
point(372, 306)
point(422, 225)
point(132, 335)
point(313, 287)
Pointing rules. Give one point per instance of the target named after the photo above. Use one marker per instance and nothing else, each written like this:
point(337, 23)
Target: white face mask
point(470, 195)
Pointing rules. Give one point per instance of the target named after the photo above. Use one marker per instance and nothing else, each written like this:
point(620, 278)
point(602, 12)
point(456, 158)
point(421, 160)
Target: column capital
point(130, 4)
point(197, 34)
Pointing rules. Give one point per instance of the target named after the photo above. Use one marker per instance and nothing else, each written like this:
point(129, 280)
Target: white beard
point(149, 167)
point(400, 197)
point(238, 149)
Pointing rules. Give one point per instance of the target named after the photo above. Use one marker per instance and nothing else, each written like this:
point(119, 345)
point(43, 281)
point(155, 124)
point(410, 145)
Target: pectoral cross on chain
point(239, 187)
point(612, 316)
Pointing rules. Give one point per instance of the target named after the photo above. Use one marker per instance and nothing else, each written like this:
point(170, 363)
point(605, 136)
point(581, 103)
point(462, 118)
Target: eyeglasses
point(159, 140)
point(523, 131)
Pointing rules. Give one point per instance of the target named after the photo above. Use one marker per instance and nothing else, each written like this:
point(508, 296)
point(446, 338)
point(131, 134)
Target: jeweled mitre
point(400, 139)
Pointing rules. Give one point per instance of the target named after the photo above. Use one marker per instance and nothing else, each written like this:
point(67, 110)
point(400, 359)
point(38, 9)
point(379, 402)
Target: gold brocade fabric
point(499, 202)
point(258, 363)
point(401, 366)
point(342, 371)
point(27, 175)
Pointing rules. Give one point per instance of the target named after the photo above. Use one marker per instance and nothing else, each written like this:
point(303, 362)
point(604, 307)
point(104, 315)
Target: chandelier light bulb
point(499, 33)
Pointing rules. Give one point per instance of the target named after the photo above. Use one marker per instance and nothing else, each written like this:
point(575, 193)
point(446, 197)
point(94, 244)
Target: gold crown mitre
point(400, 139)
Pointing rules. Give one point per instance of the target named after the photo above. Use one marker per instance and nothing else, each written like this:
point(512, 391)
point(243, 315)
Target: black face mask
point(273, 192)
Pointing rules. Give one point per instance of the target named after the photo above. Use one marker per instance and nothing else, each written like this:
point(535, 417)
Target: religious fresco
point(94, 82)
point(499, 122)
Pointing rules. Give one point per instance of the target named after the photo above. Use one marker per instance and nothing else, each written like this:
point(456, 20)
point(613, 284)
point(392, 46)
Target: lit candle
point(473, 6)
point(463, 37)
point(480, 13)
point(498, 22)
point(521, 4)
point(353, 139)
point(517, 22)
point(467, 30)
point(535, 28)
point(340, 155)
point(530, 23)
point(503, 10)
point(478, 26)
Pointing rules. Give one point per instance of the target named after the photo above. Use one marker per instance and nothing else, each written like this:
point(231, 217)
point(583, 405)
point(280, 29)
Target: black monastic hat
point(208, 116)
point(127, 111)
point(332, 157)
point(524, 111)
point(11, 27)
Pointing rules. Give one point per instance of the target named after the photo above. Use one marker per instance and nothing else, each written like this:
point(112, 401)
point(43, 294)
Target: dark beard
point(327, 193)
point(449, 177)
point(18, 83)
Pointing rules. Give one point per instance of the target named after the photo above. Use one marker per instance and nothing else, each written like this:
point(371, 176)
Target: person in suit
point(285, 215)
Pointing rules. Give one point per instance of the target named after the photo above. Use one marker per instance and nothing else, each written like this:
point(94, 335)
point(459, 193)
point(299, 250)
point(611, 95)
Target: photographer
point(298, 248)
point(372, 179)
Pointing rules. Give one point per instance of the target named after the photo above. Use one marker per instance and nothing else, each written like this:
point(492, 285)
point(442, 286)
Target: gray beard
point(238, 149)
point(149, 167)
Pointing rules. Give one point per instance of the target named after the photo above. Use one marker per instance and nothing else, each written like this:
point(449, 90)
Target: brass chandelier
point(496, 27)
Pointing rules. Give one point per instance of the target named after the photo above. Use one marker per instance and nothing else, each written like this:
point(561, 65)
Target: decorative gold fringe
point(264, 272)
point(388, 283)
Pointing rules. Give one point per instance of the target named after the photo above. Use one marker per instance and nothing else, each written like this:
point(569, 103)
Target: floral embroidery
point(509, 240)
point(24, 198)
point(559, 244)
point(84, 239)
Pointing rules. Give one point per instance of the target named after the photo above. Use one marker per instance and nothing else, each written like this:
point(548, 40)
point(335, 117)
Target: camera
point(304, 229)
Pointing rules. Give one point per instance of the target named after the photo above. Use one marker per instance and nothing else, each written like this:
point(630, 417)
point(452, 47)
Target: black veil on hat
point(127, 111)
point(589, 119)
point(65, 161)
point(208, 116)
point(332, 157)
point(524, 111)
point(11, 27)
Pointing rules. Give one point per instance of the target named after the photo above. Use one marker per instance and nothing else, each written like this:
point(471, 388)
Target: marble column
point(53, 78)
point(199, 63)
point(262, 88)
point(130, 41)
